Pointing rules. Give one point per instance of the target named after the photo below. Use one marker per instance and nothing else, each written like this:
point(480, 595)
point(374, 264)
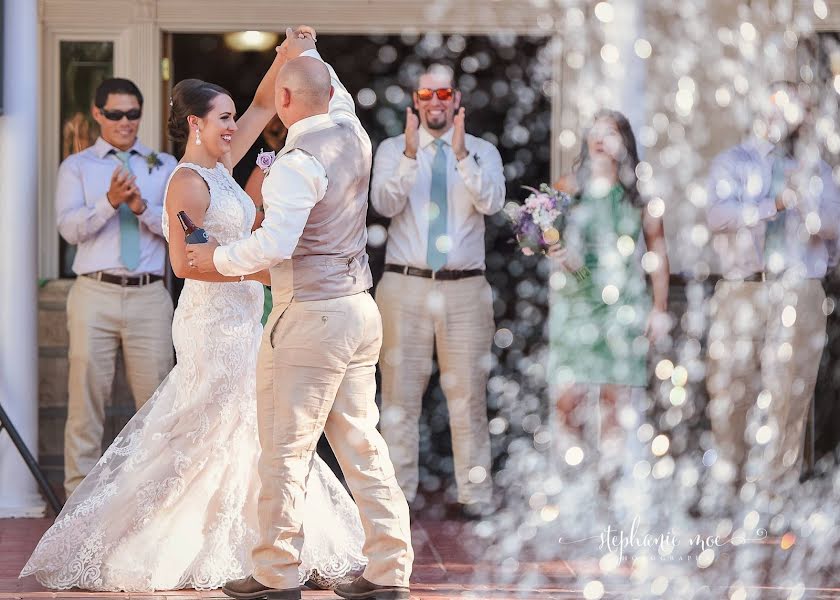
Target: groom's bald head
point(302, 89)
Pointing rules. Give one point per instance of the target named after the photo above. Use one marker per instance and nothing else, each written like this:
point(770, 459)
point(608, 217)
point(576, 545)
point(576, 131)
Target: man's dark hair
point(115, 85)
point(190, 97)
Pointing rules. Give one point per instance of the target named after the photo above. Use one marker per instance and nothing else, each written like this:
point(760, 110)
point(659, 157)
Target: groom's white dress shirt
point(401, 190)
point(294, 184)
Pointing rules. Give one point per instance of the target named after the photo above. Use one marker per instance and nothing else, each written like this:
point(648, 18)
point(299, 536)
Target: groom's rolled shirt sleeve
point(295, 183)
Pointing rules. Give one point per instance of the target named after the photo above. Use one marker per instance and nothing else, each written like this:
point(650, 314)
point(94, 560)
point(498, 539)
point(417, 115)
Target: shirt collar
point(307, 124)
point(427, 138)
point(102, 148)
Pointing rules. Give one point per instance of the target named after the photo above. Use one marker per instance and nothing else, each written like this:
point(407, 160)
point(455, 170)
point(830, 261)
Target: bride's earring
point(197, 137)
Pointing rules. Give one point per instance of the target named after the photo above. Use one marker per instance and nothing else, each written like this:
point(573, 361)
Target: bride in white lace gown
point(173, 501)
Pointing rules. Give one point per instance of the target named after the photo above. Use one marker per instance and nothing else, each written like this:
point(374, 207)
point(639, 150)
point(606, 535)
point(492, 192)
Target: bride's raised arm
point(261, 109)
point(258, 113)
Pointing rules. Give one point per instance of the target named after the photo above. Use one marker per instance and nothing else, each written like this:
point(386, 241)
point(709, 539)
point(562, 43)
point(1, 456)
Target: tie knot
point(122, 155)
point(439, 144)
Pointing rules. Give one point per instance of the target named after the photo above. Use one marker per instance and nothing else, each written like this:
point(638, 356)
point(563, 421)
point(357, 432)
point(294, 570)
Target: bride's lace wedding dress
point(173, 502)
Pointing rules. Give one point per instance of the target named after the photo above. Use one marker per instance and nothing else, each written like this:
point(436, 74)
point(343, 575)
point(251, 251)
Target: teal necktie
point(774, 235)
point(437, 209)
point(129, 226)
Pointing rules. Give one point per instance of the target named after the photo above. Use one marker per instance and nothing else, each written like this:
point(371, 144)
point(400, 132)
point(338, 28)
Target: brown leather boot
point(362, 589)
point(249, 588)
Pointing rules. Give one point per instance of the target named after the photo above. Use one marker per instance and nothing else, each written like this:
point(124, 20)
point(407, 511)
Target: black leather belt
point(443, 275)
point(125, 280)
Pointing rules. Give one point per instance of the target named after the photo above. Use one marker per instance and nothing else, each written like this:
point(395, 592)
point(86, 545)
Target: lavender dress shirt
point(86, 218)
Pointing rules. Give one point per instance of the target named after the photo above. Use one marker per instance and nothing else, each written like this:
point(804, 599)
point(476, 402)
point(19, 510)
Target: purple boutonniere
point(265, 160)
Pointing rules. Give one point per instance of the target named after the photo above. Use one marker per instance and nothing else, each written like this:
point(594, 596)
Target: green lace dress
point(597, 318)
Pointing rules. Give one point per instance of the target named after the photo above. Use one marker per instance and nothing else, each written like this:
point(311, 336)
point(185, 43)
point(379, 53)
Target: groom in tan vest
point(321, 343)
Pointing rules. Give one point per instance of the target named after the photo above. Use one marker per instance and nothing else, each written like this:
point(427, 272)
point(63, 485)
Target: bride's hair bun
point(190, 97)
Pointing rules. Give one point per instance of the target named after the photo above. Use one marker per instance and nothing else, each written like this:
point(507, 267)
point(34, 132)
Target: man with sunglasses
point(437, 183)
point(109, 200)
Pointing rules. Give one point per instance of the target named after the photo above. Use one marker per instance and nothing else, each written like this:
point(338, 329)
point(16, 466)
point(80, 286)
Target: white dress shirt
point(294, 184)
point(401, 190)
point(86, 218)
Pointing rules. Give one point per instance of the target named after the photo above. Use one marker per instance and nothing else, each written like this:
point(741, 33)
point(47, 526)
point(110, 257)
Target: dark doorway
point(504, 80)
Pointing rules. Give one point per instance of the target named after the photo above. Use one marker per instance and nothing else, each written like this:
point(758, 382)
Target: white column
point(19, 495)
point(630, 26)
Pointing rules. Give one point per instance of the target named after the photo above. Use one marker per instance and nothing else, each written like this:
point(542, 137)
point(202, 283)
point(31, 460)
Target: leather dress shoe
point(362, 589)
point(249, 588)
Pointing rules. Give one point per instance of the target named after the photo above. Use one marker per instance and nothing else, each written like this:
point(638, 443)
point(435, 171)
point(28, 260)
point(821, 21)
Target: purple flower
point(545, 209)
point(265, 160)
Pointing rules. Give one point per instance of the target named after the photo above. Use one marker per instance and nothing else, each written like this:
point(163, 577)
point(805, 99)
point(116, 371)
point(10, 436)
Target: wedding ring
point(192, 264)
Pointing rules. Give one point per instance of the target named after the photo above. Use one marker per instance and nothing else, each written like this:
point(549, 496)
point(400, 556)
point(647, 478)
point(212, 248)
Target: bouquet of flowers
point(539, 222)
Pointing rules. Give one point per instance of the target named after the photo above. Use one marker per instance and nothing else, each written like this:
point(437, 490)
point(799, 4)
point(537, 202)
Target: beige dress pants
point(101, 317)
point(316, 373)
point(765, 344)
point(457, 316)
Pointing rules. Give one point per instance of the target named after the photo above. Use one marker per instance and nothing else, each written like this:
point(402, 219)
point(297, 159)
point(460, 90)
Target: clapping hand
point(459, 135)
point(122, 189)
point(412, 133)
point(784, 187)
point(136, 202)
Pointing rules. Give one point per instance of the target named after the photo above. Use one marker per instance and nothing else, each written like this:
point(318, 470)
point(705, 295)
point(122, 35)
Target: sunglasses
point(442, 94)
point(117, 115)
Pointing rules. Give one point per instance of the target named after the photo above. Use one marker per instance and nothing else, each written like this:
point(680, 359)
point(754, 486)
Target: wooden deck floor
point(441, 572)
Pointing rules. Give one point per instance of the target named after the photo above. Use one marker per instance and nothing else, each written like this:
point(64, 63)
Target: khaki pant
point(458, 317)
point(765, 344)
point(316, 373)
point(101, 317)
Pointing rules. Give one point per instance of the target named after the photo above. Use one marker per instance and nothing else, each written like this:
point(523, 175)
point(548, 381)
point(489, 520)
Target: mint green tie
point(437, 204)
point(129, 226)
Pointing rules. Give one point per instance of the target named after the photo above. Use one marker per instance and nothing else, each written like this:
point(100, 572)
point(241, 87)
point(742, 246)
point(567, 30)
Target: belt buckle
point(405, 270)
point(123, 280)
point(434, 273)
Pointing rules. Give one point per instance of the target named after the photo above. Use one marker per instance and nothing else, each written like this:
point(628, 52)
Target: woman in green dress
point(603, 316)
